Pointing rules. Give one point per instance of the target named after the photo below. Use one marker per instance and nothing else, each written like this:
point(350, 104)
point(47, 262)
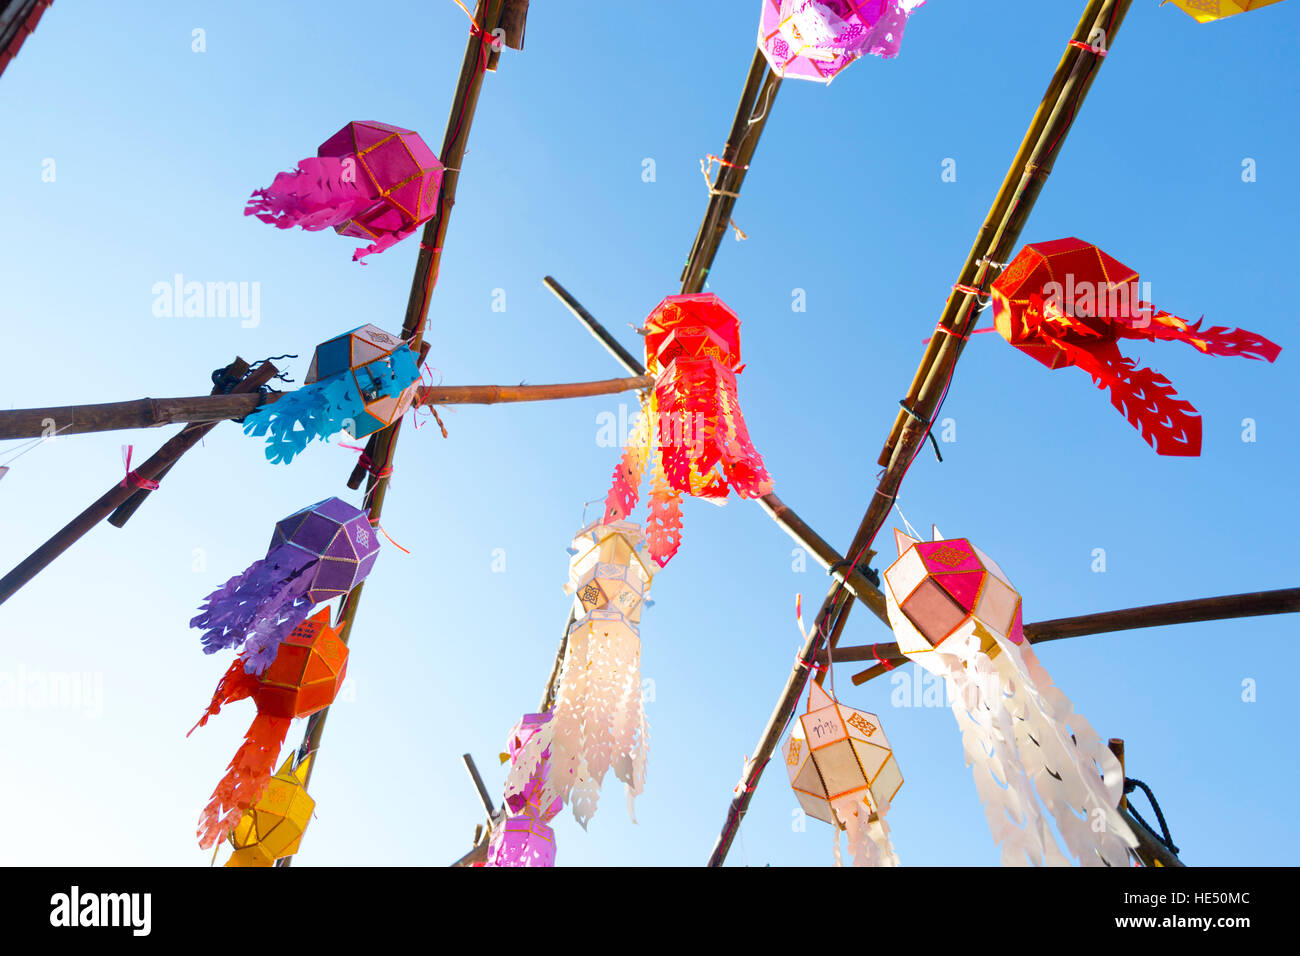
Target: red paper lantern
point(1067, 302)
point(693, 433)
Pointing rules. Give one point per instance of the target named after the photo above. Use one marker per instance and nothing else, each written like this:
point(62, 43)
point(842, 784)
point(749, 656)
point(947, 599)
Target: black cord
point(1130, 784)
point(869, 573)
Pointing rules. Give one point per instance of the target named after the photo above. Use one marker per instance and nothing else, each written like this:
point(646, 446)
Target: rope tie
point(366, 462)
point(133, 479)
point(1131, 784)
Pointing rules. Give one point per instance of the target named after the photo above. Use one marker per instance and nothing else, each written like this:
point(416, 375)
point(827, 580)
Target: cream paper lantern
point(599, 721)
point(955, 613)
point(844, 773)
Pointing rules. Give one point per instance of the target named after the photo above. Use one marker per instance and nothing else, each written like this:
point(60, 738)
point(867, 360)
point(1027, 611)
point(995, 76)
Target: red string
point(133, 479)
point(1099, 51)
point(968, 289)
point(876, 653)
point(367, 463)
point(374, 523)
point(719, 160)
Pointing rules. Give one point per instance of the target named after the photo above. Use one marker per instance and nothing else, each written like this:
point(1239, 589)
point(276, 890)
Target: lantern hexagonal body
point(401, 172)
point(340, 536)
point(816, 39)
point(942, 585)
point(1206, 11)
point(307, 672)
point(274, 826)
point(610, 569)
point(691, 326)
point(382, 370)
point(837, 757)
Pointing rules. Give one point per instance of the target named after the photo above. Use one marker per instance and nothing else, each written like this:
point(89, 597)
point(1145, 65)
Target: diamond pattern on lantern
point(837, 757)
point(940, 585)
point(273, 828)
point(610, 570)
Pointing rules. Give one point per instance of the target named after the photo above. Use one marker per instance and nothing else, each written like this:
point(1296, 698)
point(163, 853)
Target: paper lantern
point(599, 719)
point(273, 827)
point(316, 554)
point(358, 382)
point(523, 837)
point(691, 432)
point(304, 678)
point(1066, 302)
point(816, 39)
point(956, 614)
point(844, 773)
point(369, 180)
point(1206, 10)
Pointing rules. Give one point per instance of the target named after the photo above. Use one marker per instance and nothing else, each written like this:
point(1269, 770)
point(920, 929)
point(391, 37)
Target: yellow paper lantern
point(1206, 10)
point(274, 826)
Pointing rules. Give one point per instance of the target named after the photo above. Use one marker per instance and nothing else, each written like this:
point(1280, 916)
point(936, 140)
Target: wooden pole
point(1042, 142)
point(756, 98)
point(152, 468)
point(488, 806)
point(1250, 604)
point(487, 16)
point(156, 412)
point(1116, 746)
point(601, 334)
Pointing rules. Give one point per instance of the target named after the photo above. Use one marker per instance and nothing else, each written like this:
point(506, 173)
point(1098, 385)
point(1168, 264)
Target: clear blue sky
point(155, 149)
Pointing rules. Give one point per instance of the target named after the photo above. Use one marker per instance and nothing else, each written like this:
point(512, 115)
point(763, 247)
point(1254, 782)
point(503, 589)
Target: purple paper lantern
point(341, 540)
point(318, 553)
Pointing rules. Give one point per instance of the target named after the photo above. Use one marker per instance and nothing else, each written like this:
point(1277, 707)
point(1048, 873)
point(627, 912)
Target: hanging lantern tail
point(262, 605)
point(235, 684)
point(1216, 340)
point(246, 778)
point(1170, 425)
point(742, 464)
point(664, 525)
point(322, 192)
point(625, 489)
point(1079, 780)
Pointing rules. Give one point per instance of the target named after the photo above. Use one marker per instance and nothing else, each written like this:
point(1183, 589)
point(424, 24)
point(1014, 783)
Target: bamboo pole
point(488, 806)
point(1029, 169)
point(760, 89)
point(601, 334)
point(156, 412)
point(152, 468)
point(487, 15)
point(1228, 606)
point(223, 381)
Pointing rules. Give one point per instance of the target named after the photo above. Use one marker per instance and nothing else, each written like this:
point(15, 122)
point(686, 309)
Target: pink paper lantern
point(369, 180)
point(815, 39)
